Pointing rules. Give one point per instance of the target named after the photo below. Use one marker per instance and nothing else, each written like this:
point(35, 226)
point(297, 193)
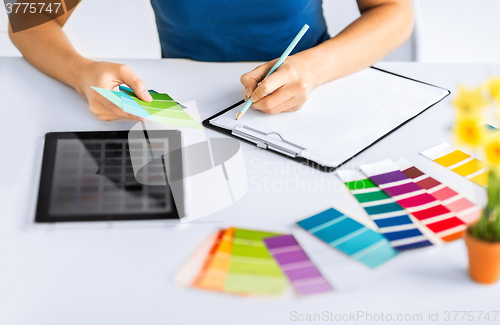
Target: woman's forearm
point(48, 49)
point(378, 31)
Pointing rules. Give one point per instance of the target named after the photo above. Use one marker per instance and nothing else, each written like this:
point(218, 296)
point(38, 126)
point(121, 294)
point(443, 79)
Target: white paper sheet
point(345, 116)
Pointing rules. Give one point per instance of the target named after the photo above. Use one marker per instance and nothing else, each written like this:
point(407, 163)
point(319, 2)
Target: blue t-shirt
point(236, 30)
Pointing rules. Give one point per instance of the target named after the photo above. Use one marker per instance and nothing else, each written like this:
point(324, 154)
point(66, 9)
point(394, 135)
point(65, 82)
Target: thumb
point(137, 85)
point(250, 80)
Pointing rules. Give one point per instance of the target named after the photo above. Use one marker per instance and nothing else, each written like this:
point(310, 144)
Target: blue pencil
point(278, 63)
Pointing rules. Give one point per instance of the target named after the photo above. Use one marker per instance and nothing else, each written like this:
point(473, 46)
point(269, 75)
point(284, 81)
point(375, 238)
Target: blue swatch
point(349, 236)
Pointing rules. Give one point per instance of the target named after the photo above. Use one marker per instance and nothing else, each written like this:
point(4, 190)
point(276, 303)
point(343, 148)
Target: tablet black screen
point(88, 176)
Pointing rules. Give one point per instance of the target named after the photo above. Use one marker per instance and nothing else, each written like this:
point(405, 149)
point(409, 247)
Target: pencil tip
point(239, 116)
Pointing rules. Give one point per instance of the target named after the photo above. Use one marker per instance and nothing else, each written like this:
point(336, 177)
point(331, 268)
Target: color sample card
point(154, 94)
point(465, 210)
point(214, 275)
point(189, 271)
point(393, 221)
point(302, 273)
point(459, 162)
point(252, 269)
point(349, 236)
point(415, 200)
point(162, 109)
point(123, 101)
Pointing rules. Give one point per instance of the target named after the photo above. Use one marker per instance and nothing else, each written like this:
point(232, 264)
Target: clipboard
point(310, 145)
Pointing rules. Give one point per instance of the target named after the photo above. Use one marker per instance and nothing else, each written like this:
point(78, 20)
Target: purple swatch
point(302, 273)
point(291, 257)
point(402, 189)
point(388, 177)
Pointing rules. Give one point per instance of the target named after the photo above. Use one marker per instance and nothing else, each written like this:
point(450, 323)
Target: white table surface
point(122, 273)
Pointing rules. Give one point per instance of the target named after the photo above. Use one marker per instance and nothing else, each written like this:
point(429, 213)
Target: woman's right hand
point(109, 75)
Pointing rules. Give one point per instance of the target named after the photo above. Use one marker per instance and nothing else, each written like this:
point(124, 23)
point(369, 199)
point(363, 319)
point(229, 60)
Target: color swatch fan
point(162, 108)
point(465, 210)
point(394, 222)
point(415, 199)
point(251, 263)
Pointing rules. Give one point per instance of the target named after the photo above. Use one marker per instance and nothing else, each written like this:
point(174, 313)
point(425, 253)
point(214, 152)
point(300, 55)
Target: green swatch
point(361, 184)
point(252, 268)
point(372, 196)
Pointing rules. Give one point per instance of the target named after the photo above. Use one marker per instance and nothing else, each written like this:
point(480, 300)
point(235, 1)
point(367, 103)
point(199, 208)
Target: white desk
point(122, 274)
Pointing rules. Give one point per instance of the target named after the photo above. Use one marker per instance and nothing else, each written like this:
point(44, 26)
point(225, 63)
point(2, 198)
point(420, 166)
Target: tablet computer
point(88, 176)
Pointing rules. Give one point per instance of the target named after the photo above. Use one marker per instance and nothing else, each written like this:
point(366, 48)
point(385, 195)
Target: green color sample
point(255, 267)
point(372, 196)
point(252, 268)
point(250, 251)
point(258, 285)
point(359, 185)
point(158, 96)
point(156, 103)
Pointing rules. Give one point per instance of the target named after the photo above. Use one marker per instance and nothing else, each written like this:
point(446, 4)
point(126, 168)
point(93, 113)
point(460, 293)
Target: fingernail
point(146, 95)
point(254, 98)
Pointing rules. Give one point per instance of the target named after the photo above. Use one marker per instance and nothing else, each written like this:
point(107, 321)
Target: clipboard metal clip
point(273, 141)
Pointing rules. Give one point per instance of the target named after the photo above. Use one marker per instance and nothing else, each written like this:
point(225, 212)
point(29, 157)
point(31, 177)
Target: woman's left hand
point(286, 90)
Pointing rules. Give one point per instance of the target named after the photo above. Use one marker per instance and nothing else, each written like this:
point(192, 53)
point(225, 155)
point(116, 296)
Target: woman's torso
point(235, 30)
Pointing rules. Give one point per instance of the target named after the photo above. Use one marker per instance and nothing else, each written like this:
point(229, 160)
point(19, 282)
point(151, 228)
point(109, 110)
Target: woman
point(233, 30)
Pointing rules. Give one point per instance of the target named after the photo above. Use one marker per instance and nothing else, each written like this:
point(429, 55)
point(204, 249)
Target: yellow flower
point(493, 86)
point(492, 152)
point(469, 101)
point(468, 130)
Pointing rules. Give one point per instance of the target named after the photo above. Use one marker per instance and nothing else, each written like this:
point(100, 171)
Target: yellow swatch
point(481, 179)
point(447, 156)
point(469, 167)
point(452, 158)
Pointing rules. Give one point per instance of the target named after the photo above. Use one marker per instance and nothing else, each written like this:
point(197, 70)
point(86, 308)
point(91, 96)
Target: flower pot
point(484, 259)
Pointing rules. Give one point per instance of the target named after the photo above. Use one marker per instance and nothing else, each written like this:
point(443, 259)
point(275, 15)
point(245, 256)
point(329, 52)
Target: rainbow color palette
point(424, 207)
point(398, 226)
point(465, 210)
point(302, 273)
point(349, 236)
point(459, 162)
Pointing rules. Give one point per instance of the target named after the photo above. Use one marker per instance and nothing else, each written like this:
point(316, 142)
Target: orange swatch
point(198, 280)
point(214, 272)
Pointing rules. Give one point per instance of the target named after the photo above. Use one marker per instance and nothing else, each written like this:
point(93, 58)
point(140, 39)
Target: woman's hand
point(109, 75)
point(286, 90)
